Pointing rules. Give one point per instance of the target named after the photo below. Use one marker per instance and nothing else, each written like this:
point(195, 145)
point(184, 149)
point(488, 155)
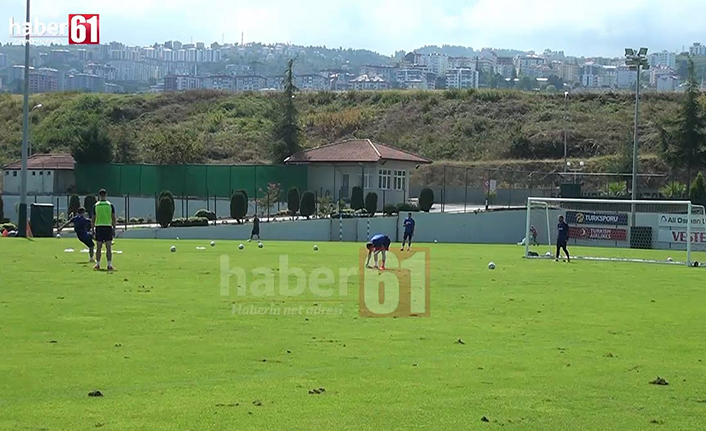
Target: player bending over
point(562, 238)
point(408, 232)
point(81, 226)
point(104, 228)
point(378, 244)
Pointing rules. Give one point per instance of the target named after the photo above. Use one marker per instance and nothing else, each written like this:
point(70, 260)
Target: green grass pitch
point(545, 345)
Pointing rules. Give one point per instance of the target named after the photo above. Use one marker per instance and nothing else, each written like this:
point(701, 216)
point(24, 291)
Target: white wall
point(36, 183)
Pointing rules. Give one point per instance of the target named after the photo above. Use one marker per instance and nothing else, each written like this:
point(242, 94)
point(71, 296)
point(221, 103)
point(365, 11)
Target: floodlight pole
point(566, 113)
point(22, 216)
point(634, 145)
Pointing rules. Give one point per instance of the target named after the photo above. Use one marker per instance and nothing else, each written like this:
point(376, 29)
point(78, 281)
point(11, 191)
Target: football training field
point(532, 345)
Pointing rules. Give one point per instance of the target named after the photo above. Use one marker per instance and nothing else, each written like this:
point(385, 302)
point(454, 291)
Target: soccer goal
point(618, 230)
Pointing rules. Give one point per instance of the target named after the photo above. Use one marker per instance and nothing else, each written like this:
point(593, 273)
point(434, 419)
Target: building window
point(367, 179)
point(41, 173)
point(384, 179)
point(14, 173)
point(34, 173)
point(400, 180)
point(48, 173)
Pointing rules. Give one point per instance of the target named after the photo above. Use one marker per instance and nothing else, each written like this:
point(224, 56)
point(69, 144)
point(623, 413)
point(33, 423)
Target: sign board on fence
point(605, 234)
point(586, 218)
point(491, 185)
point(681, 220)
point(679, 236)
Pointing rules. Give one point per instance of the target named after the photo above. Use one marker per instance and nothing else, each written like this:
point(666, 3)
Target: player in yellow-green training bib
point(104, 228)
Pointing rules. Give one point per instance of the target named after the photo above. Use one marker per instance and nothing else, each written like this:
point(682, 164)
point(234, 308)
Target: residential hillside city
point(177, 66)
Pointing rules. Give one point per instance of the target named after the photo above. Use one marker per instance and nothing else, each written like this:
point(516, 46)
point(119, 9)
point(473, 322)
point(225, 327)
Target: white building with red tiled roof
point(338, 167)
point(46, 174)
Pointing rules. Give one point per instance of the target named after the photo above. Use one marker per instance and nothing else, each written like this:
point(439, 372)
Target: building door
point(345, 186)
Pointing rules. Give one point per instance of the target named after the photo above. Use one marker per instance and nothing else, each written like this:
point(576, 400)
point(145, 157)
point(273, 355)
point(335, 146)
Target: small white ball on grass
point(316, 248)
point(177, 238)
point(434, 241)
point(58, 235)
point(213, 243)
point(491, 265)
point(548, 254)
point(173, 249)
point(669, 259)
point(260, 245)
point(241, 246)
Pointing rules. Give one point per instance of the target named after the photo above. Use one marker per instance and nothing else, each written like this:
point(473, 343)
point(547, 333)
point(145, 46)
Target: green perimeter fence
point(187, 180)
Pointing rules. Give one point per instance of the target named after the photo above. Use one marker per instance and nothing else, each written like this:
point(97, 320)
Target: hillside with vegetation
point(485, 126)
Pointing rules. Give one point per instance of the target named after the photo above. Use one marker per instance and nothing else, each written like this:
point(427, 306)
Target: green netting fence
point(187, 180)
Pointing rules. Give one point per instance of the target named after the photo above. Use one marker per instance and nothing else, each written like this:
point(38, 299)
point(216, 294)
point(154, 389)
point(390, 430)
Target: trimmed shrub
point(165, 211)
point(210, 215)
point(371, 203)
point(407, 207)
point(190, 222)
point(349, 213)
point(390, 209)
point(238, 206)
point(166, 194)
point(426, 199)
point(89, 202)
point(74, 204)
point(293, 201)
point(357, 200)
point(308, 204)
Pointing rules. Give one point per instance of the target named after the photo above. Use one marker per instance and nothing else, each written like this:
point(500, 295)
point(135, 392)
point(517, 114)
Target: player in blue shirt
point(562, 238)
point(408, 232)
point(378, 244)
point(82, 226)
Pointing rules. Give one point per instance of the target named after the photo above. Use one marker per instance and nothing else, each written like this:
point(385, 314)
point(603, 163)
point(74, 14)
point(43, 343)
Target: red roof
point(60, 162)
point(355, 151)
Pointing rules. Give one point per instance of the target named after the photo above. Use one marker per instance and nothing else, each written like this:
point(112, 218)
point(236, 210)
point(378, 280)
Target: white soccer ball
point(241, 246)
point(669, 259)
point(434, 241)
point(548, 254)
point(316, 247)
point(491, 265)
point(177, 238)
point(173, 249)
point(249, 240)
point(259, 245)
point(58, 235)
point(213, 243)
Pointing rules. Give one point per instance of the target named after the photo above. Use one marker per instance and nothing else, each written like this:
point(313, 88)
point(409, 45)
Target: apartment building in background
point(462, 78)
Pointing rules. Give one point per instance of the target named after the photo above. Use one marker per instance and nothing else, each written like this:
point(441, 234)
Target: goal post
point(654, 231)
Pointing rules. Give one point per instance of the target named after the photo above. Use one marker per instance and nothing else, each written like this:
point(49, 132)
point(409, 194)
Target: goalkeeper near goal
point(562, 238)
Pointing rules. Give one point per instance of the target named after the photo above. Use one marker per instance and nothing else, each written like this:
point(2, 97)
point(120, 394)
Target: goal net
point(618, 230)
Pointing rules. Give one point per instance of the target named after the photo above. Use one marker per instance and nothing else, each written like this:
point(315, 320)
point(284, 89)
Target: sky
point(579, 28)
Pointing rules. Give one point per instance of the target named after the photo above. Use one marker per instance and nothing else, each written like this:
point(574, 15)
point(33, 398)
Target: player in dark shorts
point(255, 229)
point(378, 244)
point(562, 239)
point(408, 232)
point(104, 228)
point(82, 227)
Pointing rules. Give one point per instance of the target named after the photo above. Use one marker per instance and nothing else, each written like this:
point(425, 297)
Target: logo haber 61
point(81, 29)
